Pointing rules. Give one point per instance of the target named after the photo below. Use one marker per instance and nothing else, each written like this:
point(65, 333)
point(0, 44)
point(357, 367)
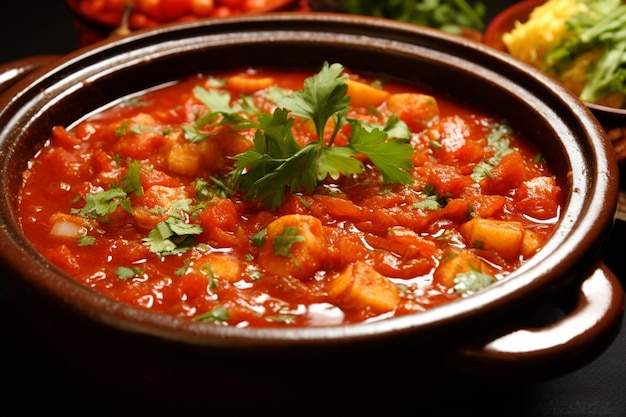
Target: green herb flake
point(124, 272)
point(218, 314)
point(282, 318)
point(283, 242)
point(210, 275)
point(172, 236)
point(258, 239)
point(469, 282)
point(85, 240)
point(500, 140)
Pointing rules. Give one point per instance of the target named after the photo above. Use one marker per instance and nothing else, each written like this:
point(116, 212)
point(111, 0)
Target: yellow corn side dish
point(545, 30)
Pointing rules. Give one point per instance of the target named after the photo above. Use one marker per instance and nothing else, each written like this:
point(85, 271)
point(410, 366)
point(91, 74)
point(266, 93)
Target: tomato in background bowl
point(96, 19)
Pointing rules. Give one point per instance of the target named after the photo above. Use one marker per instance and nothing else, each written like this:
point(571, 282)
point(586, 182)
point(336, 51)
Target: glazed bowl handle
point(545, 351)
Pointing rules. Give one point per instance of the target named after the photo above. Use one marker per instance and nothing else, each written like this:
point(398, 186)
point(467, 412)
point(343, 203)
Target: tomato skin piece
point(344, 247)
point(391, 266)
point(193, 285)
point(64, 138)
point(231, 4)
point(294, 204)
point(221, 214)
point(66, 166)
point(337, 208)
point(446, 179)
point(221, 225)
point(202, 8)
point(538, 198)
point(254, 5)
point(487, 205)
point(458, 209)
point(139, 147)
point(416, 110)
point(163, 10)
point(154, 177)
point(222, 11)
point(509, 173)
point(62, 257)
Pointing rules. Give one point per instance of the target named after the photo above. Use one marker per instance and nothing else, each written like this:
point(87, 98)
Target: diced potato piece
point(184, 159)
point(305, 252)
point(365, 95)
point(221, 265)
point(456, 263)
point(530, 243)
point(360, 286)
point(504, 237)
point(191, 158)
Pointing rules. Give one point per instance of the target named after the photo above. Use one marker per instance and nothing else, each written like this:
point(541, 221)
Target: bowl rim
point(282, 27)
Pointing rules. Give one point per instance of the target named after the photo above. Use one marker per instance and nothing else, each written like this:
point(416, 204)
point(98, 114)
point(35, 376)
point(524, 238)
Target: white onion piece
point(64, 228)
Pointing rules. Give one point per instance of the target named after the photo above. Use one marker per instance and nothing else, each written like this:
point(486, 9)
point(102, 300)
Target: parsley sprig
point(278, 162)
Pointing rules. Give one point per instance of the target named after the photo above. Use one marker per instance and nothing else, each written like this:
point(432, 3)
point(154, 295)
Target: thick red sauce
point(365, 251)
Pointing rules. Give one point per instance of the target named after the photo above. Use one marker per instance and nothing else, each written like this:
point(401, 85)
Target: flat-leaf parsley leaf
point(278, 162)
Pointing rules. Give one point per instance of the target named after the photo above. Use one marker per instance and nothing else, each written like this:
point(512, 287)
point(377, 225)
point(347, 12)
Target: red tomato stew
point(214, 199)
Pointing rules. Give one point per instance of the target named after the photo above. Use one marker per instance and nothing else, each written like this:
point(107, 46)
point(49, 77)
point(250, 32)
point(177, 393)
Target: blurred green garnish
point(447, 15)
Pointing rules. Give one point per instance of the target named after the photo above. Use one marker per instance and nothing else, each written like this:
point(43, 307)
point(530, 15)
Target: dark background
point(36, 382)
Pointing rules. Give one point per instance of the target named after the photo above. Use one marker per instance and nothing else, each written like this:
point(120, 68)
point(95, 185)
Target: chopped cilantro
point(181, 271)
point(131, 183)
point(259, 238)
point(102, 203)
point(500, 140)
point(469, 282)
point(218, 314)
point(221, 113)
point(85, 240)
point(122, 129)
point(210, 275)
point(217, 101)
point(192, 134)
point(283, 242)
point(282, 318)
point(433, 200)
point(206, 190)
point(254, 273)
point(172, 236)
point(136, 102)
point(124, 272)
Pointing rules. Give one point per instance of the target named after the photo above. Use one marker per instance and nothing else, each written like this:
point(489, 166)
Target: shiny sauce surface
point(482, 201)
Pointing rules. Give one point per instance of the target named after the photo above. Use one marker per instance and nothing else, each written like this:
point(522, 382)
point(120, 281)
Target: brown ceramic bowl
point(504, 22)
point(489, 334)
